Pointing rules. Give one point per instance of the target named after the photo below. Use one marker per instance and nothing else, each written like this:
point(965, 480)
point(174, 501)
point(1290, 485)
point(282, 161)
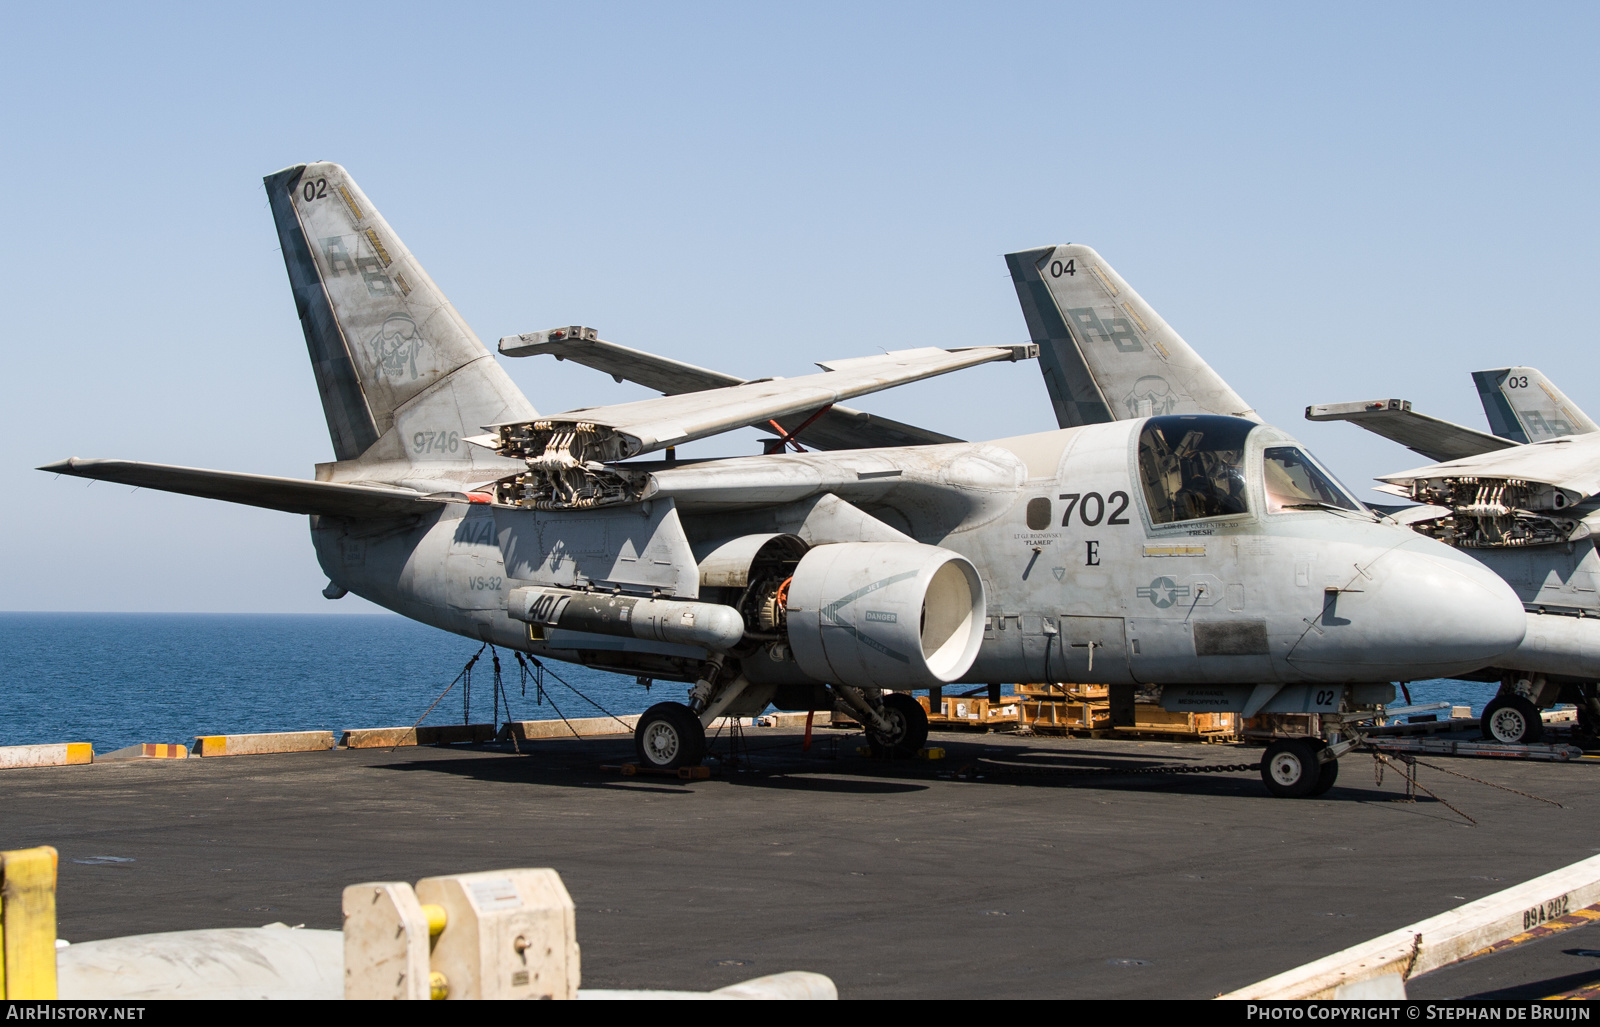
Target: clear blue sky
point(1330, 202)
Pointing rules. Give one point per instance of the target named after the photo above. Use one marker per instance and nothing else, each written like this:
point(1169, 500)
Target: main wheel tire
point(1512, 720)
point(1326, 776)
point(910, 722)
point(669, 736)
point(1290, 769)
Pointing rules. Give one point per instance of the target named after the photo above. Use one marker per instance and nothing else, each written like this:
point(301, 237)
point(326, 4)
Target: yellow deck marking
point(1586, 915)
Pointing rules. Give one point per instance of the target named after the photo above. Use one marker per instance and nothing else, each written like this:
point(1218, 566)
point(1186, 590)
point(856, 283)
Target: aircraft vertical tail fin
point(1105, 353)
point(403, 379)
point(1524, 406)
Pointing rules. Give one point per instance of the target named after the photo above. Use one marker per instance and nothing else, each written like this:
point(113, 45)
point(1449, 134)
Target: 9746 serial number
point(436, 442)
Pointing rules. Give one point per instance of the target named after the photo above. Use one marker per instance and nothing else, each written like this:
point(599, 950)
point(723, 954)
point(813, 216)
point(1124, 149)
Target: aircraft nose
point(1423, 610)
point(1450, 603)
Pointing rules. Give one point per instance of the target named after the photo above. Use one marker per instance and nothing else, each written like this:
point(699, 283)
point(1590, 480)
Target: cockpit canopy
point(1194, 466)
point(1292, 481)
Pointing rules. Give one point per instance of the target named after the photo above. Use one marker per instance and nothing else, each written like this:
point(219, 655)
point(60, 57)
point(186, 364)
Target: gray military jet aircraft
point(1515, 506)
point(1525, 502)
point(1179, 547)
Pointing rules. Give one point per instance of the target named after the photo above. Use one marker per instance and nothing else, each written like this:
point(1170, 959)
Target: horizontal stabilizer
point(1395, 420)
point(290, 495)
point(839, 428)
point(630, 429)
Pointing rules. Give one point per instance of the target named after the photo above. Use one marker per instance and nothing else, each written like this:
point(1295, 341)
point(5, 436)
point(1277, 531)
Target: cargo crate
point(1209, 727)
point(976, 711)
point(1063, 691)
point(1049, 717)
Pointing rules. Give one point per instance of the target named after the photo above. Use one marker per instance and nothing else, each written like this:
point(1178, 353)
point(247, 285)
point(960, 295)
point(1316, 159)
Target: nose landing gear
point(1296, 768)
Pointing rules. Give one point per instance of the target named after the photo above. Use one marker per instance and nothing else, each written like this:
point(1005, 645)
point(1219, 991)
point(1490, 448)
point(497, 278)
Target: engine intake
point(886, 614)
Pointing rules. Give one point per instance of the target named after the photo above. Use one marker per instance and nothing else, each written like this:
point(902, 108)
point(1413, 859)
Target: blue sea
point(116, 679)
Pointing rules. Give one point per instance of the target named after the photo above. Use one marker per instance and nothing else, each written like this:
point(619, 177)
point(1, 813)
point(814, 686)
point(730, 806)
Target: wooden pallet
point(1094, 719)
point(1065, 718)
point(1063, 691)
point(1198, 727)
point(977, 713)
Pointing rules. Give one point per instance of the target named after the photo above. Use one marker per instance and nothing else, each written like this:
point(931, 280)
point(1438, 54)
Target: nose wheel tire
point(1291, 770)
point(910, 723)
point(1512, 720)
point(1326, 776)
point(669, 736)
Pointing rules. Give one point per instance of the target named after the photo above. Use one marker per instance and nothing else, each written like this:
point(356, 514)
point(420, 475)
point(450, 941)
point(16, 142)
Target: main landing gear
point(896, 724)
point(669, 736)
point(908, 728)
point(1293, 768)
point(1512, 720)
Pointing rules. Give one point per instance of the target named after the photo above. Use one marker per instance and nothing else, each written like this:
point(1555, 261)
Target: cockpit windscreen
point(1192, 466)
point(1294, 482)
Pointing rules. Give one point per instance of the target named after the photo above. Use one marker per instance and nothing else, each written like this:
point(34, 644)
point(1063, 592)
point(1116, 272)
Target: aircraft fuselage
point(1080, 583)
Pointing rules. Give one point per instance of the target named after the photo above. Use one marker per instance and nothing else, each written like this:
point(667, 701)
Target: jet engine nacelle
point(886, 614)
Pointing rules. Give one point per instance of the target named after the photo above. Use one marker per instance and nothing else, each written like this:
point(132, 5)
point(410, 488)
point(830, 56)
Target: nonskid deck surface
point(897, 880)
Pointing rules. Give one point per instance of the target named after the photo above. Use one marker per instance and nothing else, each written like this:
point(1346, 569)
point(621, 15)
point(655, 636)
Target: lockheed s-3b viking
point(1525, 502)
point(896, 559)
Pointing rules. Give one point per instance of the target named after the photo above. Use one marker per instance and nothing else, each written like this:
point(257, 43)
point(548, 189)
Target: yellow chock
point(437, 918)
point(28, 923)
point(934, 753)
point(438, 987)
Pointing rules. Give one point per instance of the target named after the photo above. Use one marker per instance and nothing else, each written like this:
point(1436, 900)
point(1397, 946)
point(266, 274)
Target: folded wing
point(1570, 464)
point(572, 458)
point(1395, 420)
point(629, 429)
point(838, 428)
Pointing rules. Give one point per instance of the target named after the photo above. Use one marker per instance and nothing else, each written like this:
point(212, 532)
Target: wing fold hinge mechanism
point(573, 458)
point(568, 465)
